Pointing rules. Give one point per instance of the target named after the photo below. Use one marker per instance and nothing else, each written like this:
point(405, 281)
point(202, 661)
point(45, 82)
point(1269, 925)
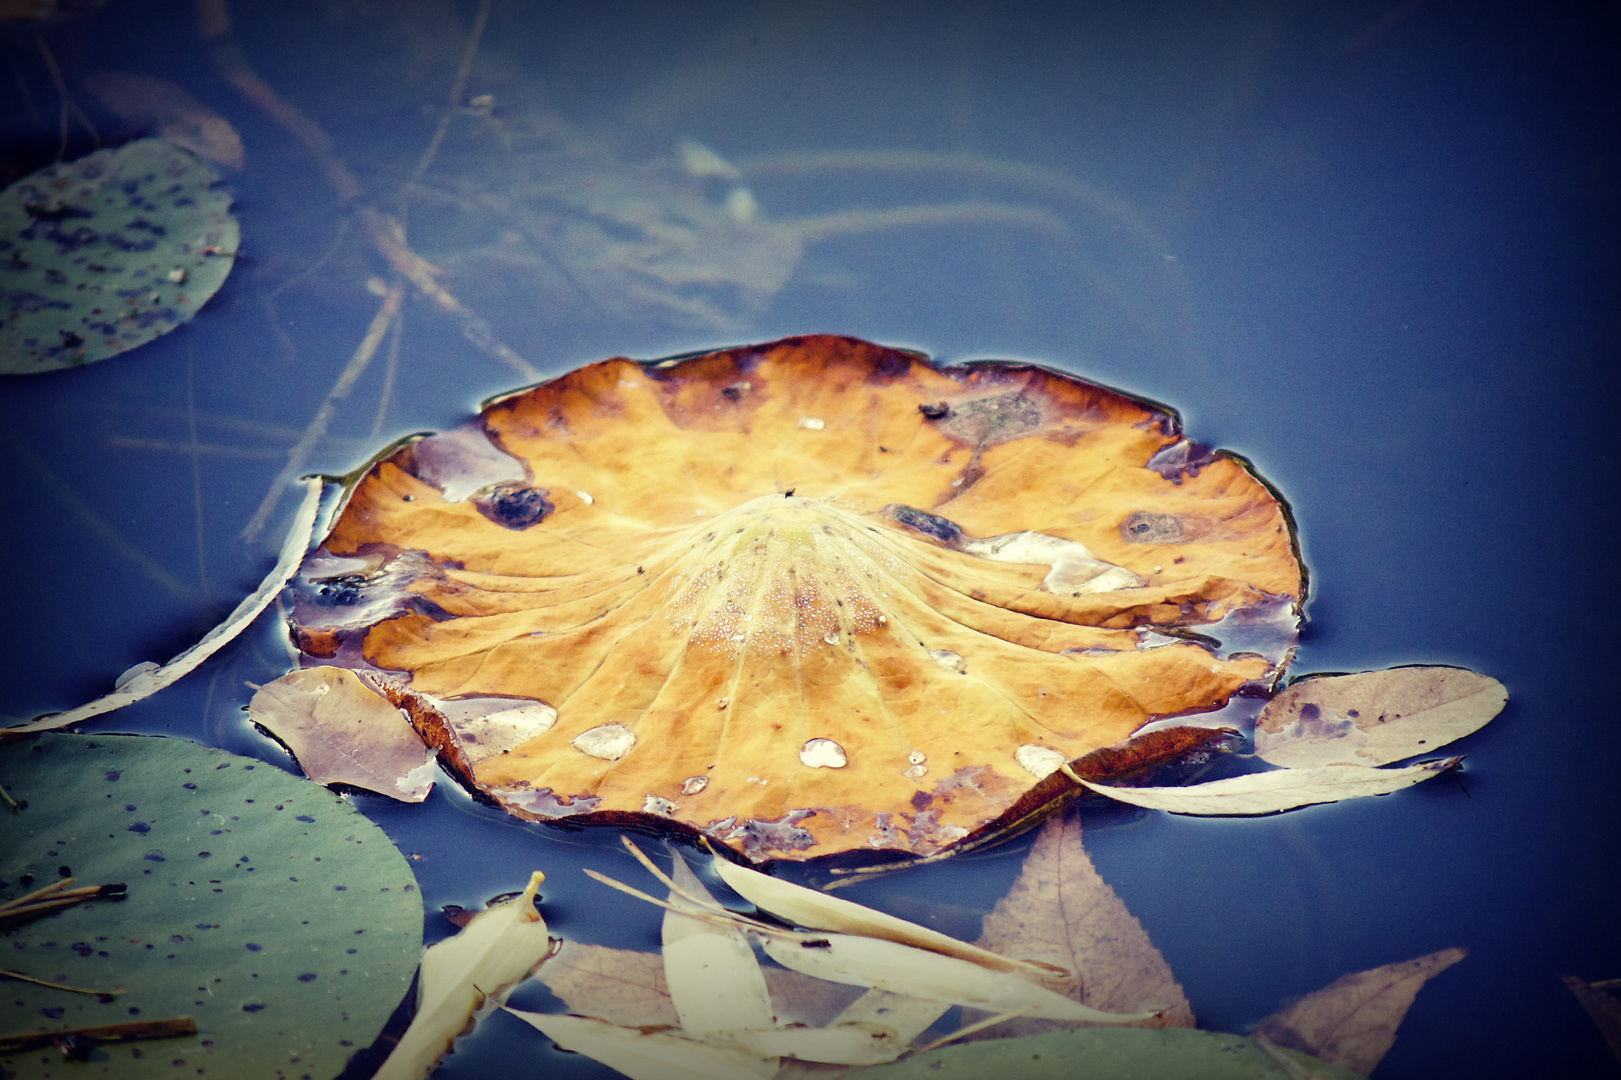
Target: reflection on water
point(1348, 244)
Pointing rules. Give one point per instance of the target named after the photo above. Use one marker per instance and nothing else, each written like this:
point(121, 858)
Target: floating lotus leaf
point(108, 252)
point(810, 597)
point(261, 905)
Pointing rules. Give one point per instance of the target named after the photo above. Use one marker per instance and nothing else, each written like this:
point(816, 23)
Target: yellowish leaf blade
point(143, 681)
point(909, 1016)
point(859, 1043)
point(649, 1055)
point(487, 957)
point(901, 969)
point(1061, 912)
point(715, 983)
point(344, 732)
point(1276, 791)
point(1352, 1021)
point(817, 910)
point(1374, 717)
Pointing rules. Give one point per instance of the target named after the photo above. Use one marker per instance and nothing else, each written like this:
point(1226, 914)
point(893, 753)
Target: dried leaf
point(1059, 911)
point(344, 732)
point(621, 986)
point(901, 969)
point(800, 906)
point(489, 956)
point(1278, 790)
point(1374, 717)
point(146, 679)
point(649, 1055)
point(715, 983)
point(1108, 1053)
point(170, 113)
point(686, 558)
point(1603, 1008)
point(1352, 1021)
point(855, 1043)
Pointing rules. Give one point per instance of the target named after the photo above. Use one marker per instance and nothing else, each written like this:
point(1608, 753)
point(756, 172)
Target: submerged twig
point(138, 1029)
point(386, 314)
point(57, 895)
point(7, 973)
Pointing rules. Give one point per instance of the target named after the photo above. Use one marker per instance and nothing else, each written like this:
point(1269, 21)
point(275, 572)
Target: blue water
point(1370, 246)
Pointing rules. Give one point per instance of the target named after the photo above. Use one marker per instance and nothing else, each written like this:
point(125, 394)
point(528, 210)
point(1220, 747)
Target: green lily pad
point(1105, 1053)
point(260, 904)
point(105, 253)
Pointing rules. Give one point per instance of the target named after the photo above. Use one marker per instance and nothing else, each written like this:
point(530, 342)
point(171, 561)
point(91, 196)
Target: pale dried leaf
point(909, 1016)
point(649, 1055)
point(858, 1043)
point(344, 732)
point(1272, 792)
point(715, 983)
point(901, 969)
point(800, 906)
point(620, 986)
point(1374, 717)
point(489, 956)
point(1059, 911)
point(135, 685)
point(170, 113)
point(1603, 1008)
point(1352, 1021)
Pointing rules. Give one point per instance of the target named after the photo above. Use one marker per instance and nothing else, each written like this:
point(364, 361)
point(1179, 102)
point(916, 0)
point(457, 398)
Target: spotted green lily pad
point(259, 904)
point(105, 253)
point(1109, 1053)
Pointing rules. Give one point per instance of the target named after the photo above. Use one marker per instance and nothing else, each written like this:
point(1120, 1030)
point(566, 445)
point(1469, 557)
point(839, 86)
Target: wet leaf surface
point(766, 594)
point(260, 904)
point(108, 252)
point(344, 732)
point(1374, 717)
point(1352, 1021)
point(1060, 912)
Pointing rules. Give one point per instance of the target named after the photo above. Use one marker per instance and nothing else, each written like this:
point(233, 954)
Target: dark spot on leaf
point(154, 855)
point(308, 976)
point(1309, 711)
point(935, 527)
point(514, 506)
point(304, 817)
point(110, 774)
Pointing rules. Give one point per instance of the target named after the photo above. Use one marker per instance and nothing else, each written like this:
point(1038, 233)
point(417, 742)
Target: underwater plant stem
point(385, 233)
point(138, 1029)
point(386, 314)
point(457, 88)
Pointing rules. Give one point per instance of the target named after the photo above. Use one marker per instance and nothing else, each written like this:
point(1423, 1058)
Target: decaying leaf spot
point(823, 754)
point(1039, 761)
point(941, 568)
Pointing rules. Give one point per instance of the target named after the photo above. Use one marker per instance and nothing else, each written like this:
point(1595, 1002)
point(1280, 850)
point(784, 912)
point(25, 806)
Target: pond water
point(1370, 246)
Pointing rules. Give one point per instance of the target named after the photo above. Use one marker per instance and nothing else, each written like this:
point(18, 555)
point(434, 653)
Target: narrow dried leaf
point(1281, 789)
point(1603, 1008)
point(143, 681)
point(1374, 717)
point(649, 1055)
point(618, 985)
point(901, 969)
point(1061, 912)
point(170, 112)
point(486, 958)
point(344, 732)
point(1352, 1021)
point(818, 911)
point(715, 983)
point(909, 1016)
point(858, 1043)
